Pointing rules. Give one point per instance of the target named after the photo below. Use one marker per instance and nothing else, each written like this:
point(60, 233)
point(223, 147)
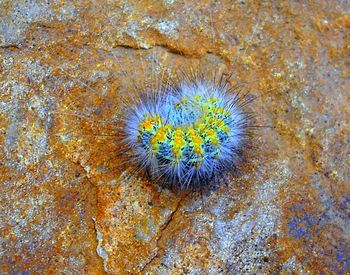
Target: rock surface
point(68, 207)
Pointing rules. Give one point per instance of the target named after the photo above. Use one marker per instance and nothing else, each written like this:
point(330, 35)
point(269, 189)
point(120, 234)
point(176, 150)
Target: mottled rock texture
point(67, 205)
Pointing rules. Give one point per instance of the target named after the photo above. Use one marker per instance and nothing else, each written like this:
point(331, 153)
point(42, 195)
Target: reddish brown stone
point(70, 206)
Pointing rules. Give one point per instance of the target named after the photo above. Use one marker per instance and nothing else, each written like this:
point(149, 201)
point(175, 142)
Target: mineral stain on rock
point(68, 206)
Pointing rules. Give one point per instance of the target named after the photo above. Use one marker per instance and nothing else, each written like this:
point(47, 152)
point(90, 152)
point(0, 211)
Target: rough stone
point(67, 204)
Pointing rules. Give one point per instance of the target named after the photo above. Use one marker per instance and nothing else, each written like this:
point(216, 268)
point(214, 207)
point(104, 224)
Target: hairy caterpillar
point(187, 132)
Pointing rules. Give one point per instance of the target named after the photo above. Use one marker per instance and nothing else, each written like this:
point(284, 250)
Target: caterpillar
point(188, 132)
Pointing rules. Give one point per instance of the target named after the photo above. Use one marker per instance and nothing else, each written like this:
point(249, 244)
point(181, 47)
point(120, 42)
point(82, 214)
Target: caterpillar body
point(187, 133)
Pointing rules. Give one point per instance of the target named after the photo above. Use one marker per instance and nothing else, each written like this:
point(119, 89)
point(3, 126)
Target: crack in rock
point(101, 252)
point(164, 227)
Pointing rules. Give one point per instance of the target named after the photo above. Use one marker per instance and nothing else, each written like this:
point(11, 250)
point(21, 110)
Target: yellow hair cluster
point(193, 140)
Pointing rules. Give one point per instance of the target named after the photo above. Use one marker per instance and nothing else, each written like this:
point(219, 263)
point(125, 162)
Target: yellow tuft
point(197, 140)
point(154, 141)
point(215, 141)
point(210, 132)
point(197, 97)
point(176, 150)
point(201, 126)
point(155, 147)
point(197, 150)
point(226, 129)
point(212, 120)
point(149, 123)
point(219, 123)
